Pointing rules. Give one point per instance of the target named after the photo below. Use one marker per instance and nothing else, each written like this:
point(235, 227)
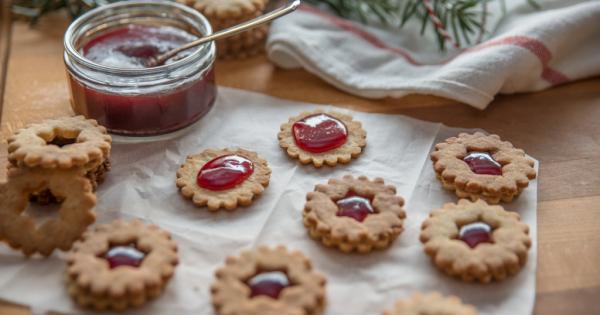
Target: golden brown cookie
point(223, 14)
point(121, 264)
point(320, 137)
point(268, 282)
point(74, 215)
point(431, 304)
point(60, 143)
point(223, 178)
point(230, 9)
point(482, 166)
point(354, 214)
point(64, 143)
point(475, 241)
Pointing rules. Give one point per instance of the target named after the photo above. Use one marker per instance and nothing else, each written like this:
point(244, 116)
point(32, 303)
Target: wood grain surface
point(560, 127)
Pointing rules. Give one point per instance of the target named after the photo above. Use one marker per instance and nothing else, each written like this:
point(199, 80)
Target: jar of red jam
point(105, 54)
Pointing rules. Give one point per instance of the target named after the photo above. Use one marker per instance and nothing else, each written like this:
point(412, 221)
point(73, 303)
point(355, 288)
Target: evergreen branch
point(465, 20)
point(457, 22)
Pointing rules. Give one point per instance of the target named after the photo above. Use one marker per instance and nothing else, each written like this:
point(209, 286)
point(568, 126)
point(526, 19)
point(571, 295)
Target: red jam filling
point(355, 207)
point(268, 284)
point(131, 46)
point(319, 133)
point(225, 172)
point(124, 255)
point(483, 163)
point(475, 233)
point(135, 113)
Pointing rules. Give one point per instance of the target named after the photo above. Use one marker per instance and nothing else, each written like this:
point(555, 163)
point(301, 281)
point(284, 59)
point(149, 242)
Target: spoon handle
point(279, 12)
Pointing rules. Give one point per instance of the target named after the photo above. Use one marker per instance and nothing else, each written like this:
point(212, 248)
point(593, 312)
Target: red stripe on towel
point(536, 47)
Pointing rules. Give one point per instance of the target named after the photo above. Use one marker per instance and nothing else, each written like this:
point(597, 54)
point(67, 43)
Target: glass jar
point(144, 101)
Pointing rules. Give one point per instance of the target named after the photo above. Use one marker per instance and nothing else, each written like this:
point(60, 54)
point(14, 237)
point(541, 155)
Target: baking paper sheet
point(142, 185)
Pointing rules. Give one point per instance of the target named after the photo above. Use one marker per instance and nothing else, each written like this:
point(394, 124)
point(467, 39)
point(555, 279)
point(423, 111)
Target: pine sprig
point(458, 22)
point(34, 9)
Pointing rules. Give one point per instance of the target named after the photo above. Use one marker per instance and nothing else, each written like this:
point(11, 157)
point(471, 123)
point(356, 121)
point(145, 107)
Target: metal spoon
point(279, 12)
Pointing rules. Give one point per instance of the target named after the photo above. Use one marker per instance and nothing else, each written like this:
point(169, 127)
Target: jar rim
point(86, 17)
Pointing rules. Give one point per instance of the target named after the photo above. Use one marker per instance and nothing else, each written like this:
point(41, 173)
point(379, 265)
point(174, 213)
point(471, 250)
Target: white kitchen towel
point(526, 49)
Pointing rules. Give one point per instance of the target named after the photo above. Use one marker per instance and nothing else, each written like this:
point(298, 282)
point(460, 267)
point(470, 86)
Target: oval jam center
point(355, 207)
point(319, 133)
point(268, 284)
point(124, 255)
point(225, 172)
point(483, 163)
point(475, 233)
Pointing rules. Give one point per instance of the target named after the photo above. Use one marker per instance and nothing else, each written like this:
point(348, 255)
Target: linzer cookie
point(63, 143)
point(120, 265)
point(223, 178)
point(268, 281)
point(320, 137)
point(354, 214)
point(431, 304)
point(223, 14)
point(475, 241)
point(479, 166)
point(74, 215)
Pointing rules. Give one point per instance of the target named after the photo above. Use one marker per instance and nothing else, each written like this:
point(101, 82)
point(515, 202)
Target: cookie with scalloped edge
point(120, 265)
point(332, 138)
point(354, 214)
point(475, 241)
point(268, 281)
point(480, 166)
point(431, 304)
point(227, 193)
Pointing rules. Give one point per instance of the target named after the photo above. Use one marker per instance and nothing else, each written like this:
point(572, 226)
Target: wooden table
point(560, 127)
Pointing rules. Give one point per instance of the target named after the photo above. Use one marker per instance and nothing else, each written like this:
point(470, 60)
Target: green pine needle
point(463, 19)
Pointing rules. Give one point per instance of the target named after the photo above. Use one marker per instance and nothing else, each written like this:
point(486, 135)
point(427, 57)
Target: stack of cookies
point(59, 161)
point(223, 14)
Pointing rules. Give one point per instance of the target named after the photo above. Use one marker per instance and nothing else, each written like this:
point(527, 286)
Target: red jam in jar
point(109, 79)
point(131, 46)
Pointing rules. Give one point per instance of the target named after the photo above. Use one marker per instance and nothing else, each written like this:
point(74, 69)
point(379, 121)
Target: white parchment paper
point(142, 185)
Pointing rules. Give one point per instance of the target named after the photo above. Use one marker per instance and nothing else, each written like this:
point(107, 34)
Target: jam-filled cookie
point(121, 264)
point(320, 137)
point(268, 281)
point(354, 214)
point(62, 143)
point(431, 304)
point(475, 241)
point(74, 214)
point(223, 178)
point(479, 166)
point(224, 14)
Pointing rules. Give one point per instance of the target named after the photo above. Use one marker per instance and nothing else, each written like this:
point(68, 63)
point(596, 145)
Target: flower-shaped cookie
point(480, 166)
point(475, 241)
point(120, 264)
point(268, 281)
point(431, 304)
point(320, 137)
point(223, 178)
point(60, 143)
point(74, 215)
point(354, 214)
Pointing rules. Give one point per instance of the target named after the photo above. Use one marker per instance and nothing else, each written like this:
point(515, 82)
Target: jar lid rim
point(80, 21)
